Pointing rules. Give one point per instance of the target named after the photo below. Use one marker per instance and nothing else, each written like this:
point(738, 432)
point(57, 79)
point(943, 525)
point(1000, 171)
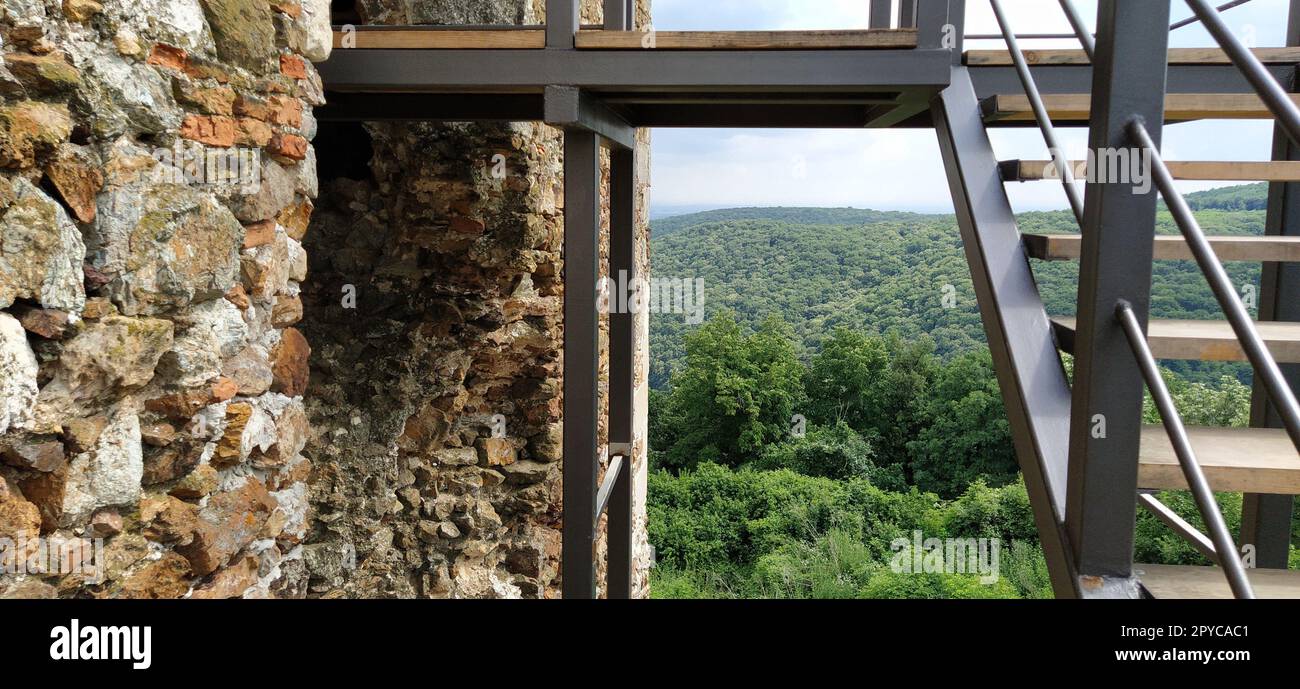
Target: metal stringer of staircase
point(1087, 461)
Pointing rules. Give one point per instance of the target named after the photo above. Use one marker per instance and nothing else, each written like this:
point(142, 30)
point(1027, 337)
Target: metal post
point(881, 11)
point(622, 346)
point(562, 22)
point(1128, 81)
point(1266, 519)
point(939, 25)
point(907, 14)
point(581, 352)
point(617, 15)
point(1030, 375)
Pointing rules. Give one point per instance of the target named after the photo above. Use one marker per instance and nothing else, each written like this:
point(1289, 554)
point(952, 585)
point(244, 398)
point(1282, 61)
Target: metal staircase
point(1085, 493)
point(1087, 460)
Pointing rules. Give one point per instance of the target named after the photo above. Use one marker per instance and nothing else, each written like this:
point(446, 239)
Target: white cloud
point(902, 169)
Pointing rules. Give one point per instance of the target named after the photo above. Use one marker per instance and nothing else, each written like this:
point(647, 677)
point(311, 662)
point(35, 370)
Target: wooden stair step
point(1206, 170)
point(1202, 340)
point(1177, 56)
point(599, 39)
point(1178, 107)
point(1173, 247)
point(440, 38)
point(1235, 460)
point(1190, 581)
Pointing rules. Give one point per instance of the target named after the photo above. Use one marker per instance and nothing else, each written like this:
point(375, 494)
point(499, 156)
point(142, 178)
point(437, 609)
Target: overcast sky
point(901, 169)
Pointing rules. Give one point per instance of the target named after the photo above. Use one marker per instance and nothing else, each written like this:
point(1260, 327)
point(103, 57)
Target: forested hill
point(877, 272)
point(802, 216)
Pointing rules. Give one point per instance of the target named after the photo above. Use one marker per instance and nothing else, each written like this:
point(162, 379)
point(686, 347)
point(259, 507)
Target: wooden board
point(1235, 460)
point(1177, 56)
point(1172, 247)
point(1203, 340)
point(443, 39)
point(746, 40)
point(1178, 107)
point(1206, 170)
point(1189, 581)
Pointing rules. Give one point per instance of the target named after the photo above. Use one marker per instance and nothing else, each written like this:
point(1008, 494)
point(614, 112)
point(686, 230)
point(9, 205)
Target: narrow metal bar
point(1266, 519)
point(1256, 351)
point(1200, 487)
point(1030, 375)
point(622, 370)
point(1025, 36)
point(907, 14)
point(607, 486)
point(1193, 19)
point(1115, 262)
point(581, 359)
point(1086, 39)
point(616, 15)
point(1271, 92)
point(563, 20)
point(1040, 113)
point(881, 14)
point(1180, 526)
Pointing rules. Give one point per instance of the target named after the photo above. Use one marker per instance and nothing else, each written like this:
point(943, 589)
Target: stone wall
point(151, 377)
point(434, 311)
point(158, 392)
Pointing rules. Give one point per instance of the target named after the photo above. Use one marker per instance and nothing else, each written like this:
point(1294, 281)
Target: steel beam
point(569, 107)
point(1266, 519)
point(628, 70)
point(1115, 264)
point(581, 359)
point(563, 19)
point(622, 348)
point(1030, 375)
point(462, 107)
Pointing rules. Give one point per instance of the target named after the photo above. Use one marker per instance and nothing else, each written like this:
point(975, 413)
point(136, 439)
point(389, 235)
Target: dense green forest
point(831, 404)
point(882, 272)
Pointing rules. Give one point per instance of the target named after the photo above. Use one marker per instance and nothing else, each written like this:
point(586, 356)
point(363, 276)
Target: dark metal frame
point(1115, 264)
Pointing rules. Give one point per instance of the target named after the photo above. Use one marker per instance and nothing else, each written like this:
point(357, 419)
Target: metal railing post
point(581, 359)
point(881, 12)
point(562, 21)
point(1128, 81)
point(622, 379)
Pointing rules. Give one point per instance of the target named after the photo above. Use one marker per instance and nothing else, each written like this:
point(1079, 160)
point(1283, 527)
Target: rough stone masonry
point(173, 382)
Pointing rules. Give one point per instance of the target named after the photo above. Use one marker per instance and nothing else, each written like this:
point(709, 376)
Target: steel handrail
point(1173, 422)
point(1040, 113)
point(1271, 92)
point(1195, 18)
point(1087, 40)
point(1238, 317)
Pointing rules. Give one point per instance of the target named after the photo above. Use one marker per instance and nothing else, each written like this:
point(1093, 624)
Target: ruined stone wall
point(435, 314)
point(151, 379)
